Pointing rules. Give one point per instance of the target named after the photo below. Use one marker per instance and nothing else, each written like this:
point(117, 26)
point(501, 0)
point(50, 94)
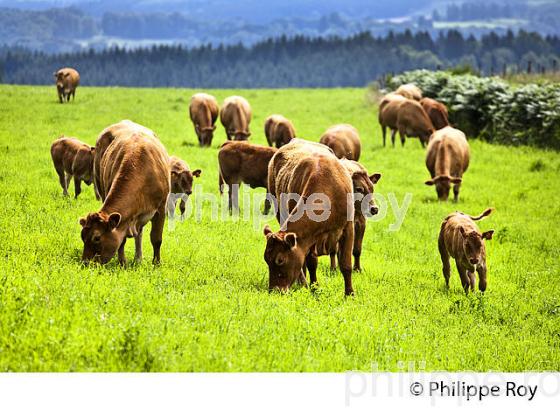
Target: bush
point(492, 109)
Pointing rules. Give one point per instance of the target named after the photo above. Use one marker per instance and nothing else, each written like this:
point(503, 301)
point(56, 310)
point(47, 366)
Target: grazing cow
point(308, 169)
point(235, 116)
point(363, 185)
point(412, 121)
point(67, 80)
point(344, 140)
point(135, 184)
point(387, 114)
point(241, 161)
point(181, 184)
point(410, 91)
point(204, 113)
point(447, 158)
point(72, 158)
point(461, 239)
point(104, 140)
point(278, 130)
point(436, 111)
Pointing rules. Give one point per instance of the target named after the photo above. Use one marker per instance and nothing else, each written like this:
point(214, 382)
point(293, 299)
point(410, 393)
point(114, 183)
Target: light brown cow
point(461, 239)
point(67, 80)
point(412, 121)
point(388, 113)
point(410, 91)
point(135, 184)
point(181, 184)
point(235, 116)
point(203, 111)
point(344, 140)
point(309, 171)
point(278, 130)
point(447, 158)
point(363, 186)
point(243, 162)
point(436, 111)
point(72, 158)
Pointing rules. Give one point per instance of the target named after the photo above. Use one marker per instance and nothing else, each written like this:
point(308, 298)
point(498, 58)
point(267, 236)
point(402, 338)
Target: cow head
point(363, 185)
point(443, 185)
point(182, 182)
point(284, 259)
point(285, 135)
point(101, 237)
point(205, 135)
point(83, 164)
point(60, 77)
point(241, 135)
point(473, 245)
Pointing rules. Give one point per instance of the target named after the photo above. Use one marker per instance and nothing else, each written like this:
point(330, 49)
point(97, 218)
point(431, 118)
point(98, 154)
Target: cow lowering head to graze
point(447, 158)
point(278, 130)
point(135, 179)
point(243, 162)
point(412, 121)
point(309, 171)
point(461, 239)
point(67, 80)
point(387, 115)
point(436, 111)
point(410, 91)
point(203, 111)
point(235, 116)
point(181, 184)
point(72, 159)
point(344, 140)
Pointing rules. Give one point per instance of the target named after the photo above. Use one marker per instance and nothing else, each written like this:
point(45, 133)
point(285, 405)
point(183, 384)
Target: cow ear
point(463, 232)
point(267, 231)
point(66, 74)
point(114, 220)
point(488, 234)
point(197, 172)
point(291, 239)
point(374, 178)
point(429, 182)
point(83, 222)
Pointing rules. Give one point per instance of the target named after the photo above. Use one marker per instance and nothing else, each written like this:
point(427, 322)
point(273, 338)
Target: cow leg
point(138, 246)
point(346, 244)
point(444, 259)
point(233, 193)
point(311, 263)
point(422, 143)
point(472, 279)
point(121, 256)
point(67, 178)
point(267, 205)
point(456, 188)
point(359, 231)
point(73, 95)
point(158, 221)
point(402, 134)
point(464, 277)
point(393, 133)
point(60, 97)
point(384, 132)
point(62, 180)
point(481, 277)
point(333, 261)
point(182, 207)
point(77, 187)
point(170, 206)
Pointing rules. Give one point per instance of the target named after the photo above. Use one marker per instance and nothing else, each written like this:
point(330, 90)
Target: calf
point(134, 183)
point(461, 239)
point(447, 158)
point(412, 121)
point(344, 140)
point(181, 184)
point(243, 162)
point(203, 111)
point(436, 111)
point(278, 130)
point(235, 116)
point(67, 80)
point(388, 112)
point(304, 169)
point(72, 159)
point(410, 91)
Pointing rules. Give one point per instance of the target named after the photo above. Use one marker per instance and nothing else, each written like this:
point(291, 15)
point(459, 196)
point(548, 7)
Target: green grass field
point(207, 307)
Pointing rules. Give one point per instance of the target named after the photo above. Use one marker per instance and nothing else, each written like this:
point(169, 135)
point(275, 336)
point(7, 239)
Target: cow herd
point(133, 177)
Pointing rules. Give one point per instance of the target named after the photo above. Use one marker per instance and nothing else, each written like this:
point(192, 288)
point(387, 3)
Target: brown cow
point(436, 111)
point(135, 183)
point(203, 110)
point(412, 121)
point(278, 130)
point(447, 158)
point(235, 116)
point(243, 162)
point(181, 184)
point(67, 80)
point(461, 239)
point(72, 158)
point(344, 140)
point(104, 140)
point(410, 91)
point(363, 186)
point(387, 114)
point(310, 171)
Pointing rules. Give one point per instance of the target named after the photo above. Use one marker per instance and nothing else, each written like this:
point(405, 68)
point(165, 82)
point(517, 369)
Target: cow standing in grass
point(344, 140)
point(67, 80)
point(278, 130)
point(72, 159)
point(235, 116)
point(436, 111)
point(181, 184)
point(203, 111)
point(388, 114)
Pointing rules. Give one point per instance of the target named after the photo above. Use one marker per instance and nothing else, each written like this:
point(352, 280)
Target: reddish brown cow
point(447, 158)
point(388, 113)
point(235, 116)
point(134, 183)
point(181, 184)
point(344, 140)
point(308, 170)
point(436, 111)
point(203, 111)
point(72, 158)
point(243, 162)
point(278, 130)
point(410, 91)
point(67, 80)
point(461, 239)
point(412, 121)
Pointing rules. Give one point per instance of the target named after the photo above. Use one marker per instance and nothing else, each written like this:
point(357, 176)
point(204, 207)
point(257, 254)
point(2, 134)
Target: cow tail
point(482, 215)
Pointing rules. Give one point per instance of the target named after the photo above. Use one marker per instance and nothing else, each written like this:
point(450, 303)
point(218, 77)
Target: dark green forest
point(288, 62)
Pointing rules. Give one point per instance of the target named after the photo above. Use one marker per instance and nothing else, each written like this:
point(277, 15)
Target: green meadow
point(207, 307)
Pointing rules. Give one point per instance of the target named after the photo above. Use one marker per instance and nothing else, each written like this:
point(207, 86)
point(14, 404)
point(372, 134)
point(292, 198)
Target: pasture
point(207, 307)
